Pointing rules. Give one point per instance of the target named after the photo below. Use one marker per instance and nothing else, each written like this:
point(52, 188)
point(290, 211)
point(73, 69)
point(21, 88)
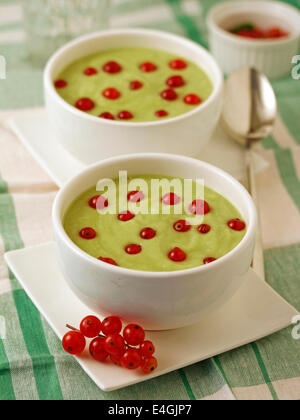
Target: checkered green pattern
point(32, 362)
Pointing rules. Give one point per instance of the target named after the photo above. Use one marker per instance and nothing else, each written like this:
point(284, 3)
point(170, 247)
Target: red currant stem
point(127, 346)
point(75, 329)
point(72, 328)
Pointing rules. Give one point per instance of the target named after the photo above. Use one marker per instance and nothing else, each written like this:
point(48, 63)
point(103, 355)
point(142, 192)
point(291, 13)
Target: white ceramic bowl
point(158, 300)
point(272, 57)
point(90, 138)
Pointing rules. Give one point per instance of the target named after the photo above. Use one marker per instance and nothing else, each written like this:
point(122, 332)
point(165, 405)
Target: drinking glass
point(51, 23)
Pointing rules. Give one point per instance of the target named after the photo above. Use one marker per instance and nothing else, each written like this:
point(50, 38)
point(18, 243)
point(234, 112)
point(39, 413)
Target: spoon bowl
point(249, 106)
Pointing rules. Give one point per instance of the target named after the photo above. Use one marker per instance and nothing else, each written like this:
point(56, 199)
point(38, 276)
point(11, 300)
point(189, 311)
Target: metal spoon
point(249, 114)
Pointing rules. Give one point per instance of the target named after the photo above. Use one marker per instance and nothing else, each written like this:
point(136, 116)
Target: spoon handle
point(258, 258)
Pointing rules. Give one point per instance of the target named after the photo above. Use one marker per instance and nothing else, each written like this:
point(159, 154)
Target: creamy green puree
point(143, 103)
point(113, 235)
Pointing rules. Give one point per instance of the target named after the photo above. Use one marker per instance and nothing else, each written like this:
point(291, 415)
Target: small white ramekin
point(90, 138)
point(274, 56)
point(158, 300)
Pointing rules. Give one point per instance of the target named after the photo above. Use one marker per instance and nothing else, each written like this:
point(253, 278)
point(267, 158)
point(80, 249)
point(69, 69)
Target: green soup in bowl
point(185, 232)
point(134, 84)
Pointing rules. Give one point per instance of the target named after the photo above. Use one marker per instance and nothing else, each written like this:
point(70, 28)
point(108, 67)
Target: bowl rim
point(252, 224)
point(258, 43)
point(217, 85)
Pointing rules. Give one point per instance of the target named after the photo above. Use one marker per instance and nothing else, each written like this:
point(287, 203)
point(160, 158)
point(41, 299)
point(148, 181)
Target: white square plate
point(34, 130)
point(253, 313)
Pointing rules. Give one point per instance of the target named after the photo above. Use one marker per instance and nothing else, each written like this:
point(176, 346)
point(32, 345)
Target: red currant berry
point(236, 224)
point(102, 202)
point(134, 334)
point(117, 360)
point(90, 71)
point(258, 33)
point(161, 113)
point(199, 207)
point(107, 116)
point(74, 342)
point(276, 33)
point(148, 67)
point(175, 81)
point(178, 64)
point(147, 233)
point(136, 85)
point(147, 349)
point(246, 33)
point(111, 325)
point(177, 255)
point(126, 215)
point(90, 326)
point(108, 261)
point(182, 226)
point(135, 196)
point(149, 365)
point(112, 67)
point(114, 344)
point(170, 199)
point(192, 99)
point(125, 115)
point(273, 33)
point(98, 202)
point(85, 104)
point(111, 93)
point(133, 249)
point(131, 359)
point(60, 84)
point(203, 228)
point(87, 233)
point(169, 95)
point(208, 260)
point(97, 349)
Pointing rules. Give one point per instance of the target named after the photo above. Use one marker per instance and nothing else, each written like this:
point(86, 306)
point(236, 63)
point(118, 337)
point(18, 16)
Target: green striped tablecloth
point(32, 362)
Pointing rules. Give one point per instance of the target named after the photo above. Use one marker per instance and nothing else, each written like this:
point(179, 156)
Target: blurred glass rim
point(48, 24)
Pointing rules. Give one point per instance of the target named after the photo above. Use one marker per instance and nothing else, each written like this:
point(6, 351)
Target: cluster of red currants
point(129, 350)
point(248, 30)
